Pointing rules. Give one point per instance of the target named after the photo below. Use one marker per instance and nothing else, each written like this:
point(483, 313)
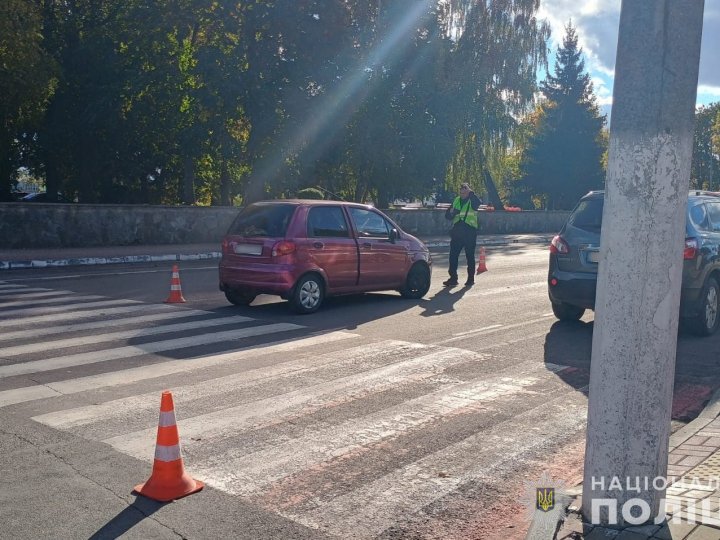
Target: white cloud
point(597, 24)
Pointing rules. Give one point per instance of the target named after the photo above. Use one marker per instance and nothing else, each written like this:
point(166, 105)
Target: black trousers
point(463, 237)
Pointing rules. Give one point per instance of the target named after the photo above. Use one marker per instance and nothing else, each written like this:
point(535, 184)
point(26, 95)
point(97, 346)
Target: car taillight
point(226, 246)
point(283, 248)
point(559, 245)
point(691, 248)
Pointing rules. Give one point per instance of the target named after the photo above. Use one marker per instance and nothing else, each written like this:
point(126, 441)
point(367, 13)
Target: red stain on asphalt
point(689, 400)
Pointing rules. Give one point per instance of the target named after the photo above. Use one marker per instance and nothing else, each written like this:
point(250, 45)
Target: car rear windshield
point(588, 215)
point(263, 220)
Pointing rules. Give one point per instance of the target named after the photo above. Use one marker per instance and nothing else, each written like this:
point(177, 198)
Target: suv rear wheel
point(567, 312)
point(706, 323)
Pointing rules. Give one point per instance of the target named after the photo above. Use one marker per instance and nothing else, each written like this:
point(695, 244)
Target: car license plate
point(248, 249)
point(593, 256)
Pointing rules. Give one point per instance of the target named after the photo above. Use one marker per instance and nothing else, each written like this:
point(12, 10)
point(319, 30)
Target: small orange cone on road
point(168, 480)
point(481, 261)
point(176, 296)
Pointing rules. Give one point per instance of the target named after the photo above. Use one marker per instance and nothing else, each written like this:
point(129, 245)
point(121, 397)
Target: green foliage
point(226, 101)
point(564, 154)
point(310, 193)
point(705, 173)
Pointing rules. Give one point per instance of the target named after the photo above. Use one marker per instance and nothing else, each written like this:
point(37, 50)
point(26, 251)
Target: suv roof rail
point(699, 192)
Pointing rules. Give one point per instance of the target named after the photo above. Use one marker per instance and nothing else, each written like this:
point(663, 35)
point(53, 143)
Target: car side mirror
point(394, 235)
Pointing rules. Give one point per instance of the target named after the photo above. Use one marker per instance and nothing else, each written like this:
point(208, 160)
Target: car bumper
point(574, 288)
point(258, 278)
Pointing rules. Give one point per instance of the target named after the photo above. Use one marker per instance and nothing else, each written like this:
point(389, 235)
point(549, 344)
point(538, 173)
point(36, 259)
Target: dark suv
point(574, 255)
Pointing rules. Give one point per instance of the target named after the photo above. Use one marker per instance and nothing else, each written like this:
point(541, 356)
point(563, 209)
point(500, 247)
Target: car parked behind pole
point(574, 257)
point(307, 250)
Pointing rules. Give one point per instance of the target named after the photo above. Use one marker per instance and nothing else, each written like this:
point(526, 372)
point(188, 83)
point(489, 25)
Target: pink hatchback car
point(306, 250)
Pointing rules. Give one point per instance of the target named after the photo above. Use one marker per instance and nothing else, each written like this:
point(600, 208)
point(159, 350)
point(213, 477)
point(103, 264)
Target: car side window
point(327, 222)
point(369, 224)
point(698, 216)
point(713, 210)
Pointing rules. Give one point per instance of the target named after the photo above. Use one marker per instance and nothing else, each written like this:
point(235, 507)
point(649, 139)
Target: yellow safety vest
point(466, 213)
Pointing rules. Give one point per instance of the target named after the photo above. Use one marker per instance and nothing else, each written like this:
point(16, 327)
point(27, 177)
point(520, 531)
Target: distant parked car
point(574, 255)
point(43, 197)
point(307, 250)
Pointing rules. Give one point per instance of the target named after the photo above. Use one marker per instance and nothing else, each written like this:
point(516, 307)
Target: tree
point(564, 156)
point(706, 149)
point(26, 83)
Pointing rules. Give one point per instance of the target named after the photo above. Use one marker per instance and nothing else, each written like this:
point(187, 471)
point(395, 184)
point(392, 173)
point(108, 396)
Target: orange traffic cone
point(168, 480)
point(176, 296)
point(481, 261)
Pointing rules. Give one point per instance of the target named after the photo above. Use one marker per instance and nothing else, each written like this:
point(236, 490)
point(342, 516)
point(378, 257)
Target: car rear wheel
point(417, 282)
point(239, 298)
point(567, 312)
point(308, 294)
point(706, 323)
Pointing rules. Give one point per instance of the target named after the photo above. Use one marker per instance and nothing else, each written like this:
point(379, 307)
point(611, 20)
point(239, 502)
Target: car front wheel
point(706, 323)
point(417, 282)
point(308, 294)
point(566, 312)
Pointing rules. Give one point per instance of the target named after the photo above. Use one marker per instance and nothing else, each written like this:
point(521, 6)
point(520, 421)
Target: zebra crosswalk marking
point(9, 307)
point(44, 331)
point(154, 371)
point(130, 351)
point(58, 315)
point(54, 345)
point(373, 507)
point(31, 293)
point(62, 309)
point(244, 474)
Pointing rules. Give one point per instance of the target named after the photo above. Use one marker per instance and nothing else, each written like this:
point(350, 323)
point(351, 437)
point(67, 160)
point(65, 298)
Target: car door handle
point(318, 245)
point(367, 245)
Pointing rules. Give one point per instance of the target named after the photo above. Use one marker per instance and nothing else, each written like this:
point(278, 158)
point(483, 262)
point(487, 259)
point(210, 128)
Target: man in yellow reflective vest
point(463, 234)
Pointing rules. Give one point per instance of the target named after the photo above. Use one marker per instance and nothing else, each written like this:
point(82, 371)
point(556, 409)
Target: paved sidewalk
point(11, 259)
point(694, 469)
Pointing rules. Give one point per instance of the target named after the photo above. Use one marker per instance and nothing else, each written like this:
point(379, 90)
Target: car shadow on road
point(140, 509)
point(697, 364)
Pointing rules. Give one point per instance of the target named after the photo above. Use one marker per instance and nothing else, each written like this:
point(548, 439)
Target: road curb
point(86, 261)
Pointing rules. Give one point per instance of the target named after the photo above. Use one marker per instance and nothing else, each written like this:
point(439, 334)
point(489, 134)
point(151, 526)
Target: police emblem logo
point(545, 500)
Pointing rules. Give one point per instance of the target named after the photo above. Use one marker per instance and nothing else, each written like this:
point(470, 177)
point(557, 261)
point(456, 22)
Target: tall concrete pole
point(638, 290)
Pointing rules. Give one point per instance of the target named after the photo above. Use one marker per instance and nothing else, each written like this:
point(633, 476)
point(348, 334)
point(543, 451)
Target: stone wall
point(34, 225)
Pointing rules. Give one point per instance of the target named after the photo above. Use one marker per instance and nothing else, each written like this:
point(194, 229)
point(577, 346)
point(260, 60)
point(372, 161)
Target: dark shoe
point(470, 282)
point(450, 282)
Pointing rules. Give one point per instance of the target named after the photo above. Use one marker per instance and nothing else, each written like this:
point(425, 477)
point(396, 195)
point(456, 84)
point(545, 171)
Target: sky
point(597, 24)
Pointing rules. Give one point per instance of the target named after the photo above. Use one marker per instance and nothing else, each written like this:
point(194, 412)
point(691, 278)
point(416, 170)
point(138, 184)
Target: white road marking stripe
point(374, 507)
point(54, 345)
point(479, 291)
point(153, 371)
point(69, 297)
point(79, 315)
point(491, 330)
point(33, 292)
point(130, 351)
point(61, 309)
point(5, 286)
point(244, 474)
point(147, 403)
point(112, 271)
point(80, 327)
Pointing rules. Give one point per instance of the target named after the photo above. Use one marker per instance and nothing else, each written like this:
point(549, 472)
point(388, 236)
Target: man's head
point(465, 190)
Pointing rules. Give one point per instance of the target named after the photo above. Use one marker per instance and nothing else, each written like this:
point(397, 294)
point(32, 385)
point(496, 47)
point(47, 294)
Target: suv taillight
point(283, 248)
point(559, 245)
point(691, 248)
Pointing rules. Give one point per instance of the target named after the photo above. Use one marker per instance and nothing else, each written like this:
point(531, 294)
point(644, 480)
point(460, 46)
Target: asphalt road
point(374, 417)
